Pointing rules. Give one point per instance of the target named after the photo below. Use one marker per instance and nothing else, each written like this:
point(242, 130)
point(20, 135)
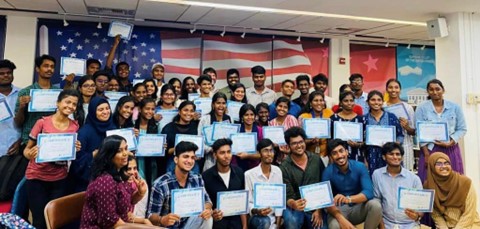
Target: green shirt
point(226, 90)
point(294, 176)
point(30, 117)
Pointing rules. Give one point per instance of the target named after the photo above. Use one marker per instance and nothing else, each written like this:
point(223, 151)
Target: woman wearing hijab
point(91, 135)
point(455, 202)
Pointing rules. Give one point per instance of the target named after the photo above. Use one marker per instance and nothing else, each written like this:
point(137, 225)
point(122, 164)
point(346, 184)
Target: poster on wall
point(415, 67)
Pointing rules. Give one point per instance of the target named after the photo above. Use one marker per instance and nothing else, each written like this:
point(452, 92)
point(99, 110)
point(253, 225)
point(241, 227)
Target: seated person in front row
point(352, 190)
point(159, 209)
point(386, 182)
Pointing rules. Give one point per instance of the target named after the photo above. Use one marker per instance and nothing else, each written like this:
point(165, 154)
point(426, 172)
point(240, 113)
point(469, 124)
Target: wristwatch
point(349, 200)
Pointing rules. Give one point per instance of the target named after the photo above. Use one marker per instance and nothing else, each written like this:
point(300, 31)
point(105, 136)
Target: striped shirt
point(454, 218)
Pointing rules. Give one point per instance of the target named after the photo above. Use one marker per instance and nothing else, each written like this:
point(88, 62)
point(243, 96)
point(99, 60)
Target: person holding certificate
point(282, 106)
point(356, 108)
point(86, 88)
point(217, 114)
point(265, 172)
point(122, 116)
point(224, 177)
point(122, 69)
point(300, 168)
point(455, 202)
point(438, 109)
point(152, 90)
point(166, 101)
point(315, 108)
point(378, 116)
point(188, 87)
point(47, 181)
point(287, 90)
point(91, 136)
point(346, 113)
point(160, 209)
point(248, 115)
point(386, 182)
point(352, 190)
point(394, 88)
point(109, 198)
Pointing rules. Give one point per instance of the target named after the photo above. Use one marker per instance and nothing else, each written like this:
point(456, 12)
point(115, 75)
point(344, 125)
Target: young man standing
point(299, 169)
point(356, 83)
point(205, 86)
point(158, 74)
point(224, 177)
point(265, 172)
point(233, 77)
point(10, 140)
point(352, 191)
point(303, 85)
point(320, 83)
point(159, 210)
point(93, 65)
point(122, 70)
point(288, 88)
point(259, 92)
point(213, 75)
point(387, 181)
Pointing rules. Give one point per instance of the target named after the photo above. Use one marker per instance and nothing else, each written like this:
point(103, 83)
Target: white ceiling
point(183, 16)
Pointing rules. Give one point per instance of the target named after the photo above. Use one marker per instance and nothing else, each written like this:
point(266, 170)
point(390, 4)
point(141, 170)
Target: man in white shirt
point(259, 93)
point(265, 172)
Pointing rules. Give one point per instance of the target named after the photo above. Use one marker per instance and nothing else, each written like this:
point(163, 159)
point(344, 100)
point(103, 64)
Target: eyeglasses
point(297, 143)
point(88, 86)
point(101, 81)
point(169, 95)
point(442, 164)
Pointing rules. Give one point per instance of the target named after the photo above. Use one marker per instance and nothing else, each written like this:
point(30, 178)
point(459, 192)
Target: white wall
point(338, 73)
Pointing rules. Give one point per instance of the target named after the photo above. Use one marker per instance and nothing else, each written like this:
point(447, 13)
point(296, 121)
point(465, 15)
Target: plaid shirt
point(160, 198)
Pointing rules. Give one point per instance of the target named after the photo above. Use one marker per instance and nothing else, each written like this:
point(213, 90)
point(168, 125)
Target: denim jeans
point(300, 219)
point(259, 222)
point(20, 203)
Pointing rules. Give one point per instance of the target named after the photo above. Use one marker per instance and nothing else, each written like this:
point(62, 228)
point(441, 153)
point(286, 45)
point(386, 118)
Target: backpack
point(12, 170)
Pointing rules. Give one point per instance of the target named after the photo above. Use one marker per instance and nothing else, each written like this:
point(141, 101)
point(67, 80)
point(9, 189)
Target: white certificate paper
point(207, 134)
point(5, 111)
point(317, 127)
point(113, 105)
point(151, 145)
point(128, 134)
point(244, 143)
point(269, 195)
point(204, 104)
point(70, 65)
point(167, 117)
point(275, 134)
point(348, 131)
point(122, 28)
point(431, 131)
point(187, 202)
point(233, 202)
point(234, 109)
point(43, 100)
point(115, 95)
point(56, 147)
point(195, 139)
point(415, 199)
point(379, 135)
point(193, 96)
point(317, 195)
point(224, 130)
point(398, 110)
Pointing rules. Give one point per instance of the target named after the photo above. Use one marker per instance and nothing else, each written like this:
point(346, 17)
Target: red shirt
point(357, 109)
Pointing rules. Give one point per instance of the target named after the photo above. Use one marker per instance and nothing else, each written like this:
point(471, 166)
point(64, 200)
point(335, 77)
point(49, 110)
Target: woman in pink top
point(47, 181)
point(282, 105)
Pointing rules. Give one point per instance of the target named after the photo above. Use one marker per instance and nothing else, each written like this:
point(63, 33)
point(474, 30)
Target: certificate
point(70, 65)
point(193, 96)
point(167, 117)
point(269, 195)
point(317, 127)
point(56, 147)
point(398, 110)
point(275, 134)
point(5, 111)
point(195, 139)
point(113, 105)
point(207, 134)
point(115, 95)
point(233, 202)
point(244, 143)
point(204, 104)
point(43, 100)
point(415, 199)
point(431, 131)
point(348, 131)
point(317, 195)
point(234, 109)
point(122, 28)
point(187, 202)
point(378, 135)
point(128, 134)
point(224, 130)
point(151, 145)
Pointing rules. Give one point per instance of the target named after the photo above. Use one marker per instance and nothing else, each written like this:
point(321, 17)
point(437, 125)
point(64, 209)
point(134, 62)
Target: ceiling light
point(65, 22)
point(194, 28)
point(322, 40)
point(223, 33)
point(423, 47)
point(285, 11)
point(99, 26)
point(243, 34)
point(408, 46)
point(387, 44)
point(299, 38)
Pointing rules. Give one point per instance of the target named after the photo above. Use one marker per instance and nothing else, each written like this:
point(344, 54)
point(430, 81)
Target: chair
point(64, 210)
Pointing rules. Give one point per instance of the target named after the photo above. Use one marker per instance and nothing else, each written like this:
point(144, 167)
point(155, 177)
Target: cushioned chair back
point(64, 210)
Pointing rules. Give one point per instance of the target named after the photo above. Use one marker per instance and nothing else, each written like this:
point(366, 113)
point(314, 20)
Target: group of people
point(121, 188)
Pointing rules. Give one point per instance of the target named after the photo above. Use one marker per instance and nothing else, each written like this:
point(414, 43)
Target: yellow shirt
point(321, 147)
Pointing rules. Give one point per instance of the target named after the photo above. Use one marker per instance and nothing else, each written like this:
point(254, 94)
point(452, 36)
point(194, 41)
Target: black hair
point(343, 87)
point(208, 70)
point(69, 92)
point(232, 71)
point(244, 109)
point(184, 95)
point(334, 143)
point(293, 132)
point(283, 100)
point(39, 60)
point(102, 163)
point(152, 126)
point(345, 94)
point(106, 73)
point(264, 143)
point(435, 81)
point(173, 80)
point(234, 88)
point(258, 70)
point(262, 105)
point(93, 61)
point(217, 96)
point(7, 64)
point(116, 114)
point(182, 105)
point(308, 107)
point(390, 146)
point(80, 113)
point(164, 90)
point(183, 147)
point(221, 142)
point(320, 77)
point(355, 76)
point(288, 81)
point(120, 64)
point(154, 95)
point(373, 93)
point(301, 78)
point(203, 77)
point(393, 80)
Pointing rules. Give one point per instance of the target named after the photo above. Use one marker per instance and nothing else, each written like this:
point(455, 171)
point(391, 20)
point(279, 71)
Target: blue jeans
point(296, 219)
point(259, 222)
point(20, 203)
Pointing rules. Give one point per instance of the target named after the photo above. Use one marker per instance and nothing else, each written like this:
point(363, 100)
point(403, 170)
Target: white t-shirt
point(225, 177)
